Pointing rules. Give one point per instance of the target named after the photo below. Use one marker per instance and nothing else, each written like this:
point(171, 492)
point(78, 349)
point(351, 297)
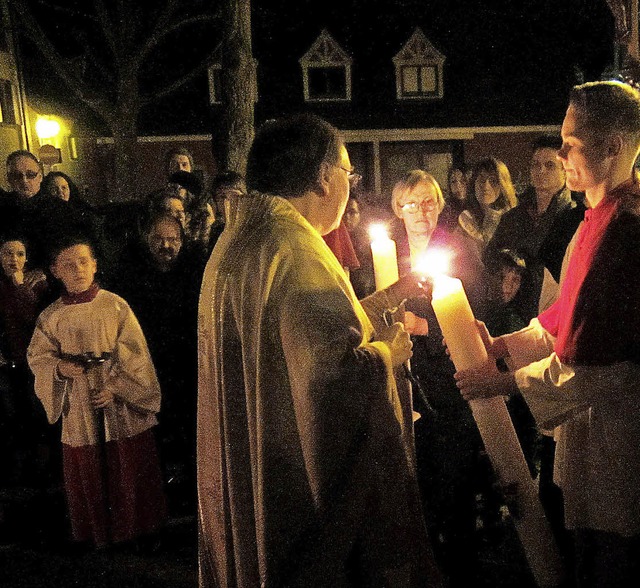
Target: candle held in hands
point(385, 260)
point(457, 323)
point(467, 350)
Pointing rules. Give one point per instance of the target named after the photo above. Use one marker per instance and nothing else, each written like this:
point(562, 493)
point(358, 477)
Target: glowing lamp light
point(47, 128)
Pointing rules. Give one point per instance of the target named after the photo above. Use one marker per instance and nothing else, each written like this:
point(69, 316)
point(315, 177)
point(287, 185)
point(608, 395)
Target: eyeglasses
point(413, 207)
point(15, 176)
point(353, 177)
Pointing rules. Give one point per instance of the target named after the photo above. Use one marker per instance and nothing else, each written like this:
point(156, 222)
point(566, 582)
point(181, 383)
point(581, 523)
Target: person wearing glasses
point(447, 442)
point(159, 276)
point(24, 174)
point(19, 208)
point(305, 477)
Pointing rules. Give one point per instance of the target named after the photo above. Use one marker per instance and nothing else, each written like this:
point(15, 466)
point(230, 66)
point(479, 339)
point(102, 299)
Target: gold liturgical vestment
point(304, 474)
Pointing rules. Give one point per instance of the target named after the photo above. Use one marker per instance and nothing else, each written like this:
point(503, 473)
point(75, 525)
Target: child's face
point(511, 280)
point(75, 267)
point(13, 256)
point(60, 188)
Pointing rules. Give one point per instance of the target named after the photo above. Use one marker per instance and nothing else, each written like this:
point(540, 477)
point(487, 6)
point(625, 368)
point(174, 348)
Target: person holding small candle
point(448, 446)
point(304, 474)
point(577, 364)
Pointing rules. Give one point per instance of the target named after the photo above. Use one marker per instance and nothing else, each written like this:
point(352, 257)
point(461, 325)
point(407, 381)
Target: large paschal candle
point(467, 350)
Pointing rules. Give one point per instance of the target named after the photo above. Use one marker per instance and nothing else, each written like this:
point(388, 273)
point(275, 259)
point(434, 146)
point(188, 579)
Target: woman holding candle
point(448, 445)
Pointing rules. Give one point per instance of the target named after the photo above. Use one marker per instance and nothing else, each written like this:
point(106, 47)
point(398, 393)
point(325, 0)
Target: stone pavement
point(172, 565)
point(35, 551)
point(38, 554)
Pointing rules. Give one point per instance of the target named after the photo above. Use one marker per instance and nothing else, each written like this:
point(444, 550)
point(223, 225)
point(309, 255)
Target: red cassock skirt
point(114, 493)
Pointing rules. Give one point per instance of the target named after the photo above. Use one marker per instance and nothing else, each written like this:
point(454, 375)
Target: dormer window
point(419, 69)
point(326, 71)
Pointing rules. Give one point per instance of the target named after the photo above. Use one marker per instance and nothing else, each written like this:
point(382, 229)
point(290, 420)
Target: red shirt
point(340, 243)
point(595, 317)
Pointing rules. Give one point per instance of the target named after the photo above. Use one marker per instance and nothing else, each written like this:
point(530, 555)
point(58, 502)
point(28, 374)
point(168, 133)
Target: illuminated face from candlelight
point(504, 284)
point(583, 155)
point(420, 210)
point(352, 215)
point(487, 188)
point(511, 281)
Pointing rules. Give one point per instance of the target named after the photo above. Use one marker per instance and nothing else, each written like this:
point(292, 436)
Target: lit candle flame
point(433, 263)
point(378, 232)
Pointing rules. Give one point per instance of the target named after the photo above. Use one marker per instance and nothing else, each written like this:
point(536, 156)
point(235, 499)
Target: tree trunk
point(235, 133)
point(123, 186)
point(124, 126)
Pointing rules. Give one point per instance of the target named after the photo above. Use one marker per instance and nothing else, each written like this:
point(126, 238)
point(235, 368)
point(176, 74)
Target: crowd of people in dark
point(503, 247)
point(507, 249)
point(151, 253)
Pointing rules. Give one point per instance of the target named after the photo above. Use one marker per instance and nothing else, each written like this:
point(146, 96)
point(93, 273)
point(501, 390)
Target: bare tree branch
point(160, 33)
point(106, 25)
point(195, 71)
point(65, 10)
point(67, 70)
point(97, 63)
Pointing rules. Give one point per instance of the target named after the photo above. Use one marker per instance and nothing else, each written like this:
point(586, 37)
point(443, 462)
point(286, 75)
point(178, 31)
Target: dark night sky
point(507, 62)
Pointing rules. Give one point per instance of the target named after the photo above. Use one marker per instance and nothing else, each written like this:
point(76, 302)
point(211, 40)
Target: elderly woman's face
point(487, 187)
point(420, 209)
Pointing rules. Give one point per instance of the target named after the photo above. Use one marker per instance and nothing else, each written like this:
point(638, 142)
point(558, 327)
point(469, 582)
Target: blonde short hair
point(405, 186)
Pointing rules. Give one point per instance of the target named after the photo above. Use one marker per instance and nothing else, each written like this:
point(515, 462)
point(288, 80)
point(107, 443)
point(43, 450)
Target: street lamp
point(47, 128)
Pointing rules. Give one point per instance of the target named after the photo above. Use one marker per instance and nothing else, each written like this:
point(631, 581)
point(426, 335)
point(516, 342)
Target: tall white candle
point(467, 350)
point(385, 260)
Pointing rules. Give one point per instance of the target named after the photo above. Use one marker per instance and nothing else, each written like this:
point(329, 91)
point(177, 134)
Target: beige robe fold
point(303, 475)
